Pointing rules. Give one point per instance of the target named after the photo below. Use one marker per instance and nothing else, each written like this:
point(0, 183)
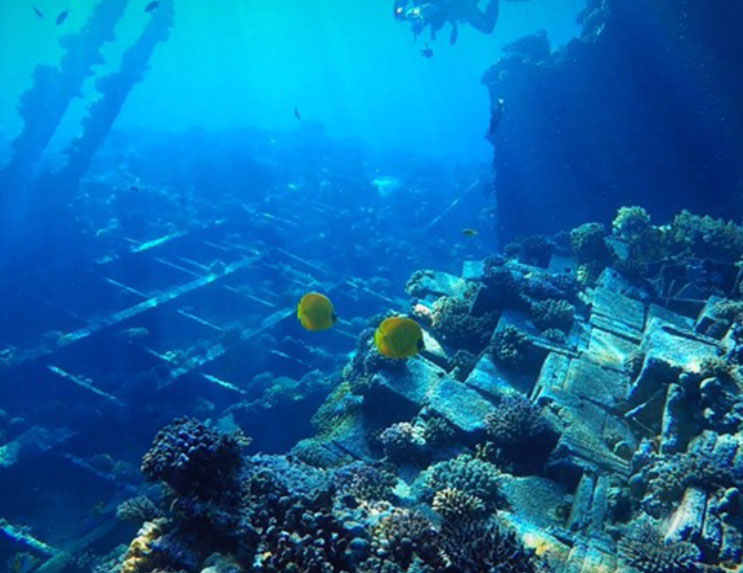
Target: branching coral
point(474, 547)
point(706, 237)
point(138, 509)
point(403, 441)
point(456, 505)
point(193, 459)
point(516, 420)
point(509, 347)
point(404, 535)
point(467, 474)
point(365, 482)
point(645, 551)
point(453, 321)
point(664, 478)
point(552, 314)
point(587, 242)
point(437, 431)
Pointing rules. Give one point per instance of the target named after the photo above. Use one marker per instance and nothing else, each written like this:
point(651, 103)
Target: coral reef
point(193, 459)
point(140, 557)
point(469, 475)
point(706, 237)
point(365, 482)
point(588, 243)
point(403, 535)
point(403, 441)
point(473, 547)
point(456, 505)
point(644, 549)
point(509, 347)
point(453, 321)
point(515, 421)
point(138, 509)
point(552, 315)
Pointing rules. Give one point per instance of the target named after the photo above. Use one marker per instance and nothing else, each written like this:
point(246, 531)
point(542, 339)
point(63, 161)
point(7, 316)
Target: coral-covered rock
point(194, 459)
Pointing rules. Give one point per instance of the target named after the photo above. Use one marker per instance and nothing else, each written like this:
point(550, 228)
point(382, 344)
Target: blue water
point(158, 225)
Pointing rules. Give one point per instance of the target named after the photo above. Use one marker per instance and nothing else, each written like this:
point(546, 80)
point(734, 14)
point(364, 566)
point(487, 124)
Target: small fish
point(427, 52)
point(152, 6)
point(469, 232)
point(399, 337)
point(296, 112)
point(38, 12)
point(62, 17)
point(315, 312)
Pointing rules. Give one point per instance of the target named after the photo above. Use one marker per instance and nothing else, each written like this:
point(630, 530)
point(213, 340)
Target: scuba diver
point(435, 13)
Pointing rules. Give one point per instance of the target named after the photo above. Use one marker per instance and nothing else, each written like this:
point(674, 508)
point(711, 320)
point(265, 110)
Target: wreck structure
point(584, 130)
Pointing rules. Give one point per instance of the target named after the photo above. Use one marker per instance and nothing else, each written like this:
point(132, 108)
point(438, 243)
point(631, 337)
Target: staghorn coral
point(515, 421)
point(644, 550)
point(474, 547)
point(193, 459)
point(509, 347)
point(138, 509)
point(456, 505)
point(455, 324)
point(467, 474)
point(552, 314)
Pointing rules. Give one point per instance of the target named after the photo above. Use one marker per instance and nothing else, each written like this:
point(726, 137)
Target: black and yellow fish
point(315, 312)
point(469, 232)
point(399, 337)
